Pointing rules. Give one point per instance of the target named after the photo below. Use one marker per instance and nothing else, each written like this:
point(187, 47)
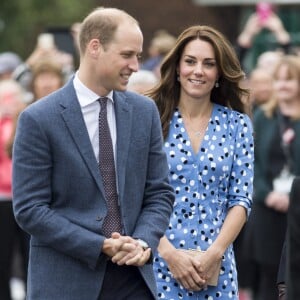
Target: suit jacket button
point(98, 218)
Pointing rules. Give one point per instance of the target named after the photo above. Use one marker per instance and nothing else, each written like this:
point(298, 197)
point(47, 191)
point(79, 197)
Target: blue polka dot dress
point(207, 184)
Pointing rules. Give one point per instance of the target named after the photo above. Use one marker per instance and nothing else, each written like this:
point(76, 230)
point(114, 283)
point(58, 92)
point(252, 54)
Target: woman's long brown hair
point(230, 93)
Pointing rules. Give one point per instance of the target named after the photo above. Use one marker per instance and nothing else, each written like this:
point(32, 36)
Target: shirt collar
point(85, 95)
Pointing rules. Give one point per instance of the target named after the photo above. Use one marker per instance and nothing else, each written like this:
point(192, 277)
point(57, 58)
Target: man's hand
point(125, 250)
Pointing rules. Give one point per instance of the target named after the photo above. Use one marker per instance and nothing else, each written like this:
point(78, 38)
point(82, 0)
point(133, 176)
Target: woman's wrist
point(216, 251)
point(167, 252)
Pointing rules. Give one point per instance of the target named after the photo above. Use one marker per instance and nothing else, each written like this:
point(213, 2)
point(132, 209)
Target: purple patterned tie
point(112, 222)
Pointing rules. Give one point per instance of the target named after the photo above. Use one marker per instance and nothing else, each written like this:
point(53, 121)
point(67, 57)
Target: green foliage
point(22, 21)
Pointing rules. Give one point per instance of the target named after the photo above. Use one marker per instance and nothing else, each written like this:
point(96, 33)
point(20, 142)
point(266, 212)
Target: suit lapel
point(123, 110)
point(72, 115)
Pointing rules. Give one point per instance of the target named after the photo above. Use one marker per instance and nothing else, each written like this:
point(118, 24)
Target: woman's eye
point(189, 61)
point(210, 64)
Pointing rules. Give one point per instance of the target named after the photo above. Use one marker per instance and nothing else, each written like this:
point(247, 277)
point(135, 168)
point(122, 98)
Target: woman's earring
point(178, 78)
point(217, 84)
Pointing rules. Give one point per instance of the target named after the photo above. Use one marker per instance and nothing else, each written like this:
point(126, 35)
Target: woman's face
point(197, 70)
point(45, 83)
point(286, 88)
point(261, 86)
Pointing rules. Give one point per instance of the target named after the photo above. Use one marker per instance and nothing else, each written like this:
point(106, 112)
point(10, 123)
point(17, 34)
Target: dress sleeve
point(241, 178)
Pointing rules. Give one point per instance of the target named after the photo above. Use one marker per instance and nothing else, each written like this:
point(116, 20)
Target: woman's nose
point(198, 69)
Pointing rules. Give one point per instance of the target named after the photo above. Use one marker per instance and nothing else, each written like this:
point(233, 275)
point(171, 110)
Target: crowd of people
point(169, 178)
point(21, 84)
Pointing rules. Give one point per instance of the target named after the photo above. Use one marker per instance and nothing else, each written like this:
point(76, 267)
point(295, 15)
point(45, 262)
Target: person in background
point(142, 81)
point(253, 26)
point(288, 273)
point(11, 103)
point(277, 161)
point(9, 61)
point(45, 50)
point(261, 87)
point(209, 145)
point(47, 77)
point(268, 60)
point(281, 275)
point(293, 245)
point(259, 82)
point(160, 45)
point(94, 220)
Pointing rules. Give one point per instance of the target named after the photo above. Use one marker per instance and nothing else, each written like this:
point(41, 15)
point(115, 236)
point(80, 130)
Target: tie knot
point(103, 102)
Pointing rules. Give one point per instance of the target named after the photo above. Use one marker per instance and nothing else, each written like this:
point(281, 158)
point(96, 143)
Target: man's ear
point(94, 47)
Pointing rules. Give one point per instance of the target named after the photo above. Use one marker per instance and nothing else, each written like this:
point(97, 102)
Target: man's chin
point(121, 87)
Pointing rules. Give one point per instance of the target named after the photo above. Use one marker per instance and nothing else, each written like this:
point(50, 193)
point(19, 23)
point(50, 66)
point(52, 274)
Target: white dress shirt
point(90, 108)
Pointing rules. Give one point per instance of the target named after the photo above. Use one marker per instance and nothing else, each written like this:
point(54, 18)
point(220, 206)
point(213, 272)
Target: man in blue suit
point(59, 194)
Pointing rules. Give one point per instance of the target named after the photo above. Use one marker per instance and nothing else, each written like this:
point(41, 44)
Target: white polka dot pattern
point(206, 185)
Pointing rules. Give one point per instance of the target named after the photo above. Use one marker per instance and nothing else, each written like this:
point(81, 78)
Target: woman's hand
point(207, 263)
point(182, 266)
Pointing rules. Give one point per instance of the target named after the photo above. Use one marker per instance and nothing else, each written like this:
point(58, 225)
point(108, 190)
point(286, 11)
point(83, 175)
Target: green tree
point(22, 21)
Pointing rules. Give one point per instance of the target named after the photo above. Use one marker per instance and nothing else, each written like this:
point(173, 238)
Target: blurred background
point(23, 44)
point(22, 21)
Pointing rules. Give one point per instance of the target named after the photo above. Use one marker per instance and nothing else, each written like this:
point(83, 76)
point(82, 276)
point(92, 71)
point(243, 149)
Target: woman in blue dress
point(209, 145)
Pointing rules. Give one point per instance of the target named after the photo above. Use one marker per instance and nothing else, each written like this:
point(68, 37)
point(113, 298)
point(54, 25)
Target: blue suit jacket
point(59, 197)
